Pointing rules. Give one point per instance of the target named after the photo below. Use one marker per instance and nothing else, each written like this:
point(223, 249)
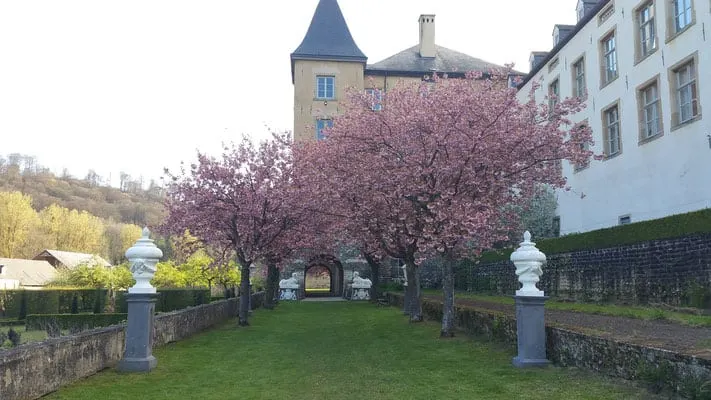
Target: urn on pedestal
point(530, 301)
point(141, 298)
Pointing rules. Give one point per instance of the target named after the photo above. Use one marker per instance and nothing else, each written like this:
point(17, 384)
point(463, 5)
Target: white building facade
point(644, 70)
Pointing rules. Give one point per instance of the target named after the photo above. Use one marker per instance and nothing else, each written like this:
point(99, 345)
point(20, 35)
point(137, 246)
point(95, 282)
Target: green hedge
point(35, 322)
point(19, 303)
point(170, 299)
point(697, 222)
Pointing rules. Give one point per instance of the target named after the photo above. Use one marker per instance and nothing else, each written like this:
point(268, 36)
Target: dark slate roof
point(409, 62)
point(328, 37)
point(587, 18)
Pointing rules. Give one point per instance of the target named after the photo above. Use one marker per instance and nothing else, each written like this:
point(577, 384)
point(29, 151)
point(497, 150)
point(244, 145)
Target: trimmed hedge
point(696, 222)
point(35, 322)
point(19, 303)
point(170, 299)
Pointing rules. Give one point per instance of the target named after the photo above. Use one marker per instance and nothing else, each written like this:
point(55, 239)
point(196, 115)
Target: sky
point(141, 85)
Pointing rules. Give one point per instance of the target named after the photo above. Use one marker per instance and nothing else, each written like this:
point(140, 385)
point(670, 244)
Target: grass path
point(639, 312)
point(341, 350)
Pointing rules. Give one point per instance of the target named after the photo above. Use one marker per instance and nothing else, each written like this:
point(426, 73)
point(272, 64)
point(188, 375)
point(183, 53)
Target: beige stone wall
point(379, 82)
point(306, 108)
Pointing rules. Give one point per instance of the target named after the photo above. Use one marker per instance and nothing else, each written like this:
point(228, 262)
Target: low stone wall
point(35, 369)
point(572, 349)
point(178, 325)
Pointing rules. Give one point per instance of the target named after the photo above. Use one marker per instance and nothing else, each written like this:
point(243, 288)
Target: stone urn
point(528, 261)
point(143, 257)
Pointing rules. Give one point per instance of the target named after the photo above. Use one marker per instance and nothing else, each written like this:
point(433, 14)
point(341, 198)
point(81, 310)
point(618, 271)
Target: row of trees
point(129, 204)
point(444, 169)
point(25, 232)
point(198, 271)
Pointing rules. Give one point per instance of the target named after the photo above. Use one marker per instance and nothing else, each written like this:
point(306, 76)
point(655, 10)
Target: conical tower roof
point(328, 37)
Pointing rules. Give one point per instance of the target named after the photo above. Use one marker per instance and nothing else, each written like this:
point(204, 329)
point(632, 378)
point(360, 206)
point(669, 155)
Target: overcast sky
point(138, 85)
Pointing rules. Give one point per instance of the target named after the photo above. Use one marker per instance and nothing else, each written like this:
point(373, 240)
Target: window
point(321, 124)
point(553, 94)
point(579, 87)
point(650, 110)
point(325, 87)
point(583, 146)
point(682, 14)
point(609, 59)
point(611, 122)
point(377, 99)
point(646, 30)
point(686, 96)
point(624, 220)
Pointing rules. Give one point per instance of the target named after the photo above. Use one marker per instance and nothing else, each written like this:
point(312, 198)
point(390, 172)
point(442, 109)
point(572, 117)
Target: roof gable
point(445, 61)
point(328, 37)
point(70, 259)
point(28, 272)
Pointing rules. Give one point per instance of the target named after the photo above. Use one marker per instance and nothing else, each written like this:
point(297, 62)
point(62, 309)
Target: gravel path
point(654, 333)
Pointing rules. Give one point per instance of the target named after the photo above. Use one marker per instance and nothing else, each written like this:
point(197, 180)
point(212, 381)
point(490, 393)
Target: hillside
point(129, 204)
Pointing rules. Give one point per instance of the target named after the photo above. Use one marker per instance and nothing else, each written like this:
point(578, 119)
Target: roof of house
point(28, 272)
point(70, 259)
point(409, 62)
point(551, 54)
point(328, 37)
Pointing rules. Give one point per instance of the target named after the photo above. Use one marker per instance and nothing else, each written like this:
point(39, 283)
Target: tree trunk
point(271, 291)
point(375, 276)
point(244, 295)
point(448, 293)
point(413, 286)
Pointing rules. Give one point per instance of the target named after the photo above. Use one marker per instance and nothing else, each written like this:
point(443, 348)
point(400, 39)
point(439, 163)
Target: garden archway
point(322, 270)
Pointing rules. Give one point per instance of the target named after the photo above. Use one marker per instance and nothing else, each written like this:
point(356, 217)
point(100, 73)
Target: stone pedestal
point(287, 294)
point(530, 332)
point(138, 356)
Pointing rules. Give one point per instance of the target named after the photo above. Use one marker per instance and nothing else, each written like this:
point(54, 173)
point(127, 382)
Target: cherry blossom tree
point(440, 168)
point(239, 200)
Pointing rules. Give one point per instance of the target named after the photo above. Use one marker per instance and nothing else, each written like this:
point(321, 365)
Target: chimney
point(427, 36)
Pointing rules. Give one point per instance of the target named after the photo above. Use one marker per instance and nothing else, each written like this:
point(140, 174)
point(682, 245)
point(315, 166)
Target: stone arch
point(335, 269)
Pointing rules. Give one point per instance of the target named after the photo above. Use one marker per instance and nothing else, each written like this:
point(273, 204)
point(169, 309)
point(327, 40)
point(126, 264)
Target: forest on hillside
point(134, 202)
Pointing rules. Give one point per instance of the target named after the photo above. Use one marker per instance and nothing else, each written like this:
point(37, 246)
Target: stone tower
point(326, 63)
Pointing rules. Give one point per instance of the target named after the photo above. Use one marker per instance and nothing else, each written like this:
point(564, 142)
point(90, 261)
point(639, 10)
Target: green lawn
point(341, 350)
point(639, 312)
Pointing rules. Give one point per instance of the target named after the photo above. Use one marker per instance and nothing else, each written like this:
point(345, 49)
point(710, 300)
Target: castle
point(328, 61)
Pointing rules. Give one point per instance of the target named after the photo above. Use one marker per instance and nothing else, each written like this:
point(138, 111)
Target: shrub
point(19, 303)
point(177, 299)
point(697, 222)
point(72, 322)
point(75, 304)
point(391, 287)
point(14, 337)
point(99, 302)
point(169, 299)
point(23, 306)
